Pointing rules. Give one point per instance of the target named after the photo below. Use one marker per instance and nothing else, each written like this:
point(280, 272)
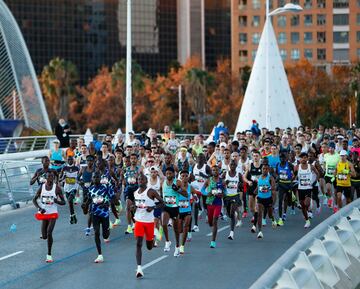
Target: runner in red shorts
point(144, 218)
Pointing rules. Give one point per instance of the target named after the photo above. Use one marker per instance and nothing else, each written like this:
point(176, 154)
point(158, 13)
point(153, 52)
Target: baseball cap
point(56, 141)
point(223, 144)
point(343, 153)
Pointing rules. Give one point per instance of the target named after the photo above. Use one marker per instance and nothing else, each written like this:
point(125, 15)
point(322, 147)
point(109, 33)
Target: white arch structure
point(20, 94)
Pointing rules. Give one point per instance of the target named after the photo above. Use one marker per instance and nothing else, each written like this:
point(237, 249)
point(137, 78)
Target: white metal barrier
point(327, 257)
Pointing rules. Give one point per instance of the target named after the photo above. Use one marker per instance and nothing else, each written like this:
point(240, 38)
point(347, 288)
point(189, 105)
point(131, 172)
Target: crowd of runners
point(162, 182)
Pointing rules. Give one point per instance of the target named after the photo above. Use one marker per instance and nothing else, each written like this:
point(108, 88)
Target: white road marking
point(219, 230)
point(154, 262)
point(11, 255)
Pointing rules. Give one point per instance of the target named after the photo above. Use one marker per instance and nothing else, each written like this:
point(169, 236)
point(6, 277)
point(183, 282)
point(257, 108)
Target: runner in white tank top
point(46, 199)
point(144, 218)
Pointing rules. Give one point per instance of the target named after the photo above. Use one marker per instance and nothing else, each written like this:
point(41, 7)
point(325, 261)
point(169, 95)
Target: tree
point(58, 81)
point(355, 88)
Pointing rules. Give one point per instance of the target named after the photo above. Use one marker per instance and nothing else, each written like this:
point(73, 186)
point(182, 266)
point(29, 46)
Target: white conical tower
point(282, 110)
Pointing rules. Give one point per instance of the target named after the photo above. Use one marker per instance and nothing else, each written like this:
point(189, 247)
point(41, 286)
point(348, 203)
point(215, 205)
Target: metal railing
point(15, 181)
point(31, 143)
point(326, 257)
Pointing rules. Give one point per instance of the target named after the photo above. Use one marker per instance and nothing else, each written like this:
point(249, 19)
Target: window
point(242, 4)
point(282, 38)
point(281, 21)
point(321, 54)
point(308, 20)
point(341, 54)
point(321, 37)
point(308, 37)
point(358, 36)
point(253, 54)
point(281, 3)
point(243, 55)
point(242, 21)
point(341, 37)
point(341, 19)
point(358, 3)
point(321, 3)
point(308, 54)
point(255, 38)
point(307, 4)
point(243, 38)
point(321, 19)
point(283, 54)
point(295, 37)
point(358, 53)
point(295, 54)
point(255, 21)
point(256, 4)
point(295, 20)
point(358, 19)
point(340, 3)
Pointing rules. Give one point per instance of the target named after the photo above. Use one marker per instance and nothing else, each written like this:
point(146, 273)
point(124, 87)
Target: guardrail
point(15, 182)
point(326, 257)
point(31, 143)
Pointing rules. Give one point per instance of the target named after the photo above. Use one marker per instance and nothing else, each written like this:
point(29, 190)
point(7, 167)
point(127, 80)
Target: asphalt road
point(233, 264)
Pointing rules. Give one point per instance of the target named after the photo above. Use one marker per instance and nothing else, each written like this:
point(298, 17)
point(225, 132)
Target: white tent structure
point(278, 109)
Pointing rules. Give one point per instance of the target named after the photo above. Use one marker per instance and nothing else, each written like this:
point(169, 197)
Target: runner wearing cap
point(344, 171)
point(56, 157)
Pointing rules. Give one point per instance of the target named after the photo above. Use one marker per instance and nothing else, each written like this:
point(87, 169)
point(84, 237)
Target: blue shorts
point(157, 213)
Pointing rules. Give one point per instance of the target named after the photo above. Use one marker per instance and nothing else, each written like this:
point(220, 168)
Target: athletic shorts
point(214, 211)
point(355, 184)
point(182, 216)
point(231, 200)
point(328, 180)
point(129, 194)
point(173, 212)
point(43, 217)
point(345, 190)
point(144, 229)
point(157, 213)
point(303, 194)
point(251, 190)
point(267, 202)
point(72, 193)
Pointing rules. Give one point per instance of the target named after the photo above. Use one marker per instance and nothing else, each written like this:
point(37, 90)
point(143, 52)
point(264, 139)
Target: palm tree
point(58, 84)
point(198, 84)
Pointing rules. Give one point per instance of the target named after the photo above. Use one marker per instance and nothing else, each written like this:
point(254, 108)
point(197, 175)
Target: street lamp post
point(128, 120)
point(289, 7)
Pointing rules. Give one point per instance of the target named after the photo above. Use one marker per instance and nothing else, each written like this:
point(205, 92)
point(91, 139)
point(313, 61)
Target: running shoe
point(182, 250)
point(157, 234)
point(224, 218)
point(231, 235)
point(274, 223)
point(212, 244)
point(195, 229)
point(129, 230)
point(87, 231)
point(238, 223)
point(139, 273)
point(280, 222)
point(71, 219)
point(49, 259)
point(111, 225)
point(107, 240)
point(177, 252)
point(260, 235)
point(329, 202)
point(310, 215)
point(307, 224)
point(170, 223)
point(167, 246)
point(156, 244)
point(189, 237)
point(253, 229)
point(264, 222)
point(284, 217)
point(77, 201)
point(117, 222)
point(118, 208)
point(245, 214)
point(99, 259)
point(75, 219)
point(161, 232)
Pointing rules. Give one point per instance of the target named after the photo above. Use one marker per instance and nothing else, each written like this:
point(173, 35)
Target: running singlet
point(330, 164)
point(284, 173)
point(215, 190)
point(232, 184)
point(131, 178)
point(87, 177)
point(101, 196)
point(71, 173)
point(184, 202)
point(199, 174)
point(343, 174)
point(305, 177)
point(171, 197)
point(156, 186)
point(47, 200)
point(253, 175)
point(356, 179)
point(264, 187)
point(142, 202)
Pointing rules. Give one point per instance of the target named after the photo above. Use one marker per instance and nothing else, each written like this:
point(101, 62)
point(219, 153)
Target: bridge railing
point(326, 257)
point(15, 181)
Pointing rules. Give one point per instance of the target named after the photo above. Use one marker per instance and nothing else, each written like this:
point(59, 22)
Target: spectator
point(62, 132)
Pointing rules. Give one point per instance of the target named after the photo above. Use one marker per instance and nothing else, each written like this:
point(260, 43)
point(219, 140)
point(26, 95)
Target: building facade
point(326, 32)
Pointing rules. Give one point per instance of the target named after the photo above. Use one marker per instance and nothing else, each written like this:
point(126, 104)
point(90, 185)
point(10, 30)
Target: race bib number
point(342, 177)
point(47, 200)
point(283, 176)
point(87, 185)
point(216, 192)
point(254, 178)
point(305, 182)
point(140, 203)
point(70, 181)
point(264, 189)
point(42, 180)
point(200, 179)
point(104, 181)
point(330, 171)
point(98, 199)
point(183, 204)
point(232, 185)
point(170, 200)
point(131, 180)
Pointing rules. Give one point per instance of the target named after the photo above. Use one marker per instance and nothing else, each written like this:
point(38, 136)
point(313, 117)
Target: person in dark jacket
point(62, 132)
